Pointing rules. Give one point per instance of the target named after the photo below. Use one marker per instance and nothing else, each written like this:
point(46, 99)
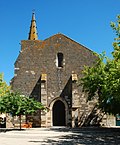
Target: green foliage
point(16, 104)
point(116, 44)
point(102, 81)
point(4, 88)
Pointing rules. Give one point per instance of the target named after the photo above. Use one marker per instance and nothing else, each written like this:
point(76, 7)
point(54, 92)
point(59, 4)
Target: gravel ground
point(61, 136)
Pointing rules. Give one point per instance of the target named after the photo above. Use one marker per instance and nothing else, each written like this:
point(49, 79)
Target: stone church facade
point(49, 70)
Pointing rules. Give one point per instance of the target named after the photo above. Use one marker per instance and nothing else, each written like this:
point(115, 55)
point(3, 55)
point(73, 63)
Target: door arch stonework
point(51, 110)
point(59, 114)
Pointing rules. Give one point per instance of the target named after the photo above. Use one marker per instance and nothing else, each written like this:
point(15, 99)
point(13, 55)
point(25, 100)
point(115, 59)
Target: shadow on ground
point(10, 129)
point(85, 136)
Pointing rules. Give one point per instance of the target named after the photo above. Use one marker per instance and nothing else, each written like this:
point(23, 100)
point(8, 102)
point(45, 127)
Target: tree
point(18, 105)
point(102, 81)
point(4, 88)
point(15, 103)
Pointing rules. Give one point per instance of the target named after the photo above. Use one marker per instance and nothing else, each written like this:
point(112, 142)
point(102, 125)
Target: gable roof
point(69, 39)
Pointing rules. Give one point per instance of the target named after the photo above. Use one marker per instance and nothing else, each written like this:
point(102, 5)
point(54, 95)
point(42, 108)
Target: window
point(60, 59)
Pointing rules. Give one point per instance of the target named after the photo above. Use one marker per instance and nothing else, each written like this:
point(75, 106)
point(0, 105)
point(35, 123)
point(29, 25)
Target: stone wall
point(40, 74)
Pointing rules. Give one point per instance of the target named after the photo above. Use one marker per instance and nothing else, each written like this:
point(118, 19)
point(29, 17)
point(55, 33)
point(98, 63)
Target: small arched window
point(60, 59)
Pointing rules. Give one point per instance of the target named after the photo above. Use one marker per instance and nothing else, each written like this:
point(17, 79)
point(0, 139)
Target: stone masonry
point(49, 71)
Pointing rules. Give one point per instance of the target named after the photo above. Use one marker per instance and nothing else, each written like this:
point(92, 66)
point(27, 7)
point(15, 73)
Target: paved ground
point(61, 136)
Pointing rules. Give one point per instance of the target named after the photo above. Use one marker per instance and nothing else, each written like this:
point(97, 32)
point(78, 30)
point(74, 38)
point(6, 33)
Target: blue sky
point(85, 21)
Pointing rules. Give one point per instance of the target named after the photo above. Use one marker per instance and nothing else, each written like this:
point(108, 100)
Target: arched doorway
point(59, 114)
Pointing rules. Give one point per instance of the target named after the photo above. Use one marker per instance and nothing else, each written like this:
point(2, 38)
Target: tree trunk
point(20, 122)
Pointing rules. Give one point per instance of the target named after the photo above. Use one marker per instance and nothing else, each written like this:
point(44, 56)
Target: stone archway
point(59, 114)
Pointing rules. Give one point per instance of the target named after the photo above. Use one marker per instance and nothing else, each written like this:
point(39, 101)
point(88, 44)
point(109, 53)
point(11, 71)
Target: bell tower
point(33, 35)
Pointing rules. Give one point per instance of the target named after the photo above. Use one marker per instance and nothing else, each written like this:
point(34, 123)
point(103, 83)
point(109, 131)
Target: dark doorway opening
point(59, 114)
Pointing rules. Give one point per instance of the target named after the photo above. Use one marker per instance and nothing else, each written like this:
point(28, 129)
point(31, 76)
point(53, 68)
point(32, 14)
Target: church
point(49, 70)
